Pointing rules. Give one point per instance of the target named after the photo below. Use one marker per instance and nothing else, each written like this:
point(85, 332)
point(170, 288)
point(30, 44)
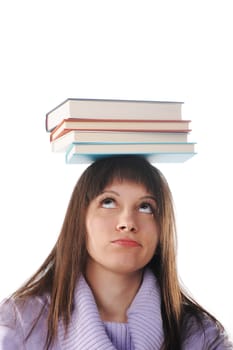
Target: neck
point(113, 291)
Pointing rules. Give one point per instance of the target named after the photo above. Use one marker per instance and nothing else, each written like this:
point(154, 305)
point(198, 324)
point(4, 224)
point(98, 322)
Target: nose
point(126, 223)
point(126, 228)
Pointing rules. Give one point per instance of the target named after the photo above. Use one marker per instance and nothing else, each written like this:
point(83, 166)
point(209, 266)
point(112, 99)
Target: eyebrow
point(149, 197)
point(117, 194)
point(110, 191)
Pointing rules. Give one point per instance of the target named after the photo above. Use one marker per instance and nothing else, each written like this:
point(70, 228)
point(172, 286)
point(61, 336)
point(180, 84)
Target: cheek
point(100, 224)
point(91, 230)
point(153, 237)
point(152, 242)
point(90, 235)
point(92, 243)
point(98, 231)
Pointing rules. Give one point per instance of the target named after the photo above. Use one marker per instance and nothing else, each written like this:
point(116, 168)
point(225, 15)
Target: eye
point(146, 208)
point(108, 203)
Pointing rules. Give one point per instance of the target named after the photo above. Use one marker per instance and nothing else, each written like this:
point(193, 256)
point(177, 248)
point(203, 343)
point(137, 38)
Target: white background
point(153, 50)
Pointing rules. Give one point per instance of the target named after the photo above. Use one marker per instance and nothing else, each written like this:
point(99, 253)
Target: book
point(61, 144)
point(120, 125)
point(158, 152)
point(112, 109)
point(153, 158)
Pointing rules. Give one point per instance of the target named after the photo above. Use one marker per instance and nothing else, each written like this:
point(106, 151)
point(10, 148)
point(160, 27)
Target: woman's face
point(122, 231)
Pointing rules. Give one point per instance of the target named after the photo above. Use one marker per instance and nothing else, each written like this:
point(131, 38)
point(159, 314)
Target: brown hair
point(59, 273)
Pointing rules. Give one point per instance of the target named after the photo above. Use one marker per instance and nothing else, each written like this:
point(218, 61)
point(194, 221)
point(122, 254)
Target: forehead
point(124, 184)
point(99, 180)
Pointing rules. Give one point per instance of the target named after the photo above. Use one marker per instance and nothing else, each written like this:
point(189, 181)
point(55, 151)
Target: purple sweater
point(86, 331)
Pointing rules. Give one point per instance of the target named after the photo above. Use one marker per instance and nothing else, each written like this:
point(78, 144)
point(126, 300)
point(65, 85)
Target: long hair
point(59, 273)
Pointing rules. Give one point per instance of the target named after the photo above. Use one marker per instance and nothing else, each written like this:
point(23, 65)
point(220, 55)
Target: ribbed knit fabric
point(119, 335)
point(144, 315)
point(89, 332)
point(86, 331)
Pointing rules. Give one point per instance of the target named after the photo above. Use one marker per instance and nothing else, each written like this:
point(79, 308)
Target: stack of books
point(87, 129)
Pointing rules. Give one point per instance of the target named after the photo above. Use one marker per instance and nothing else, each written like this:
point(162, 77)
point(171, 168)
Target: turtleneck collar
point(87, 331)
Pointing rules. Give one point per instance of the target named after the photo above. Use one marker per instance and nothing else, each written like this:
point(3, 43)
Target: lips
point(126, 242)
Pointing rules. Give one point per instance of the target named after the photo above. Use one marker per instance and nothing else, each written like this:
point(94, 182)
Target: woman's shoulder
point(17, 317)
point(204, 332)
point(24, 309)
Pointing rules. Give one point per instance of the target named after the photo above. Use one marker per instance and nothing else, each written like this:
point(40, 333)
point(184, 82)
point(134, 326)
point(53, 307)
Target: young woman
point(110, 282)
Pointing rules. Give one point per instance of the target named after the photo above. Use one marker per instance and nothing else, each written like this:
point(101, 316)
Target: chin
point(123, 268)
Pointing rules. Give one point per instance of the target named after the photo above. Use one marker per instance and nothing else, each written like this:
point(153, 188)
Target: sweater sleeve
point(11, 332)
point(216, 339)
point(208, 336)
